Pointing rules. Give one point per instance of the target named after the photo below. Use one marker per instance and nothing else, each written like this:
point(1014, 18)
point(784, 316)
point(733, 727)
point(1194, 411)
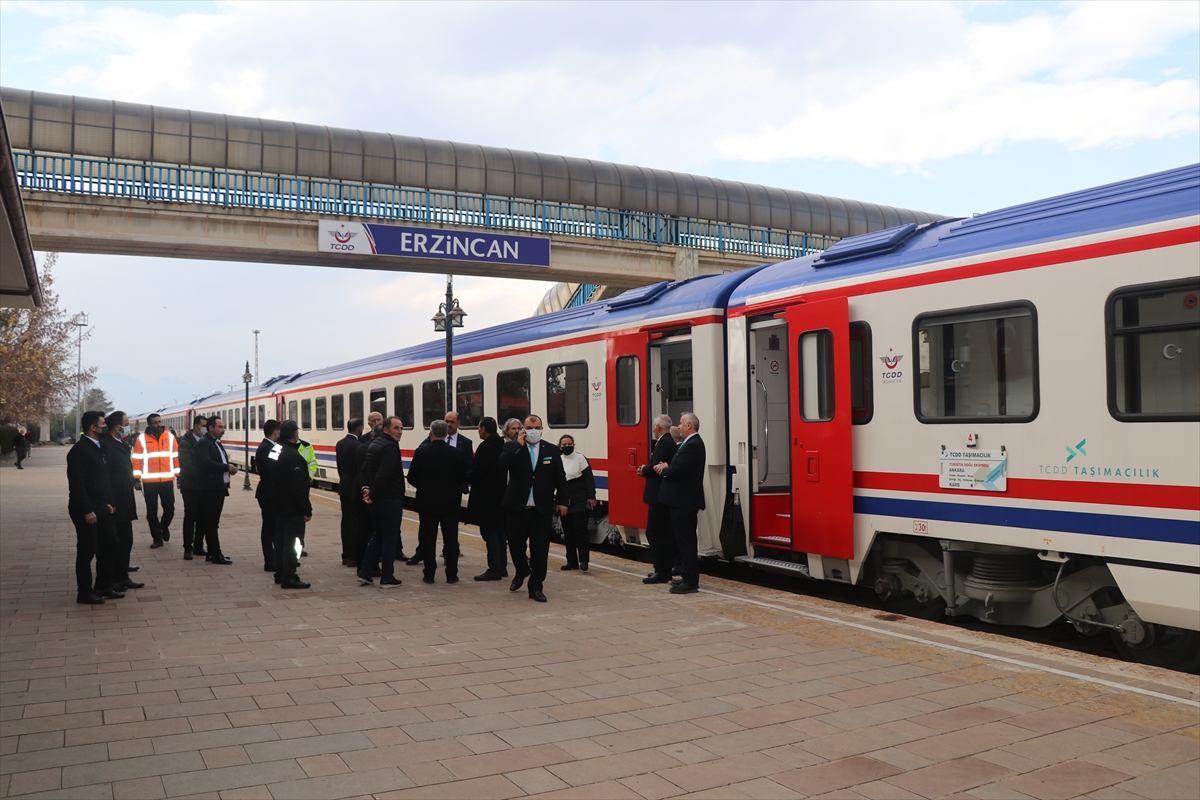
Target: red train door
point(628, 428)
point(822, 467)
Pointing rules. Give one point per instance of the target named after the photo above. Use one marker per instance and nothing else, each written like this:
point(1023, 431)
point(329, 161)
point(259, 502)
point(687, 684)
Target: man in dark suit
point(537, 490)
point(119, 461)
point(266, 506)
point(484, 508)
point(465, 448)
point(682, 491)
point(289, 485)
point(382, 479)
point(91, 509)
point(215, 471)
point(349, 490)
point(659, 531)
point(438, 473)
point(189, 487)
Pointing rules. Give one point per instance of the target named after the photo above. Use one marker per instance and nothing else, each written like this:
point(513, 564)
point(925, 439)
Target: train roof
point(657, 301)
point(1140, 201)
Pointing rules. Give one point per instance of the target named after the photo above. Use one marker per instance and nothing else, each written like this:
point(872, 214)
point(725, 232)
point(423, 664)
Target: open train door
point(628, 428)
point(822, 467)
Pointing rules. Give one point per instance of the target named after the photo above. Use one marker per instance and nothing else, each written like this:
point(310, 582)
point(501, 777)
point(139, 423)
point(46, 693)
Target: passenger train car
point(996, 417)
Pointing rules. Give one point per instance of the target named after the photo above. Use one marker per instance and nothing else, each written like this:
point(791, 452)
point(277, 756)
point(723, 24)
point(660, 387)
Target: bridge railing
point(231, 189)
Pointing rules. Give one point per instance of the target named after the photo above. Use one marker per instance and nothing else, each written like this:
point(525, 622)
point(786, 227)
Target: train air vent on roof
point(636, 297)
point(866, 245)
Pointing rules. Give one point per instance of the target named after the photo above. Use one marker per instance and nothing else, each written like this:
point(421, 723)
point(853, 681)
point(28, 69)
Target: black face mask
point(568, 449)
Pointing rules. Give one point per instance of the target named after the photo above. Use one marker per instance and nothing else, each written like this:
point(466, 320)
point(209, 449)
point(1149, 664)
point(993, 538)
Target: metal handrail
point(766, 437)
point(232, 189)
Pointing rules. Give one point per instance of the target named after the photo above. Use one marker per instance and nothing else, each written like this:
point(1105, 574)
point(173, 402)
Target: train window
point(356, 406)
point(403, 396)
point(1154, 352)
point(512, 395)
point(322, 414)
point(817, 394)
point(628, 390)
point(979, 363)
point(567, 395)
point(306, 415)
point(237, 419)
point(292, 411)
point(468, 400)
point(337, 410)
point(253, 418)
point(379, 401)
point(862, 401)
point(262, 415)
point(433, 401)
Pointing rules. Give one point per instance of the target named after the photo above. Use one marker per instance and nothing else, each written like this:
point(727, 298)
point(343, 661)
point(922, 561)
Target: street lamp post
point(246, 378)
point(80, 322)
point(449, 316)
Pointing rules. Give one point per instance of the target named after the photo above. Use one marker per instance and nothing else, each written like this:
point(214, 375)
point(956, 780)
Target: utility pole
point(80, 322)
point(257, 380)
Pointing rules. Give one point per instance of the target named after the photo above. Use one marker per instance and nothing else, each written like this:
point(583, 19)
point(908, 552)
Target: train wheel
point(1162, 646)
point(910, 606)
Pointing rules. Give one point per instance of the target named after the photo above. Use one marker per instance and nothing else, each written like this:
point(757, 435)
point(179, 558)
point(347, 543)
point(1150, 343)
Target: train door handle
point(632, 459)
point(812, 470)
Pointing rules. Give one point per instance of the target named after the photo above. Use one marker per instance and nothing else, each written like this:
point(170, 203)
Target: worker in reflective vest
point(155, 465)
point(310, 457)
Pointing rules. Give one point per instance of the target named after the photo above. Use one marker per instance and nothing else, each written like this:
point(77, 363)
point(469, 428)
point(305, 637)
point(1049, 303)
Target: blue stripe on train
point(1147, 528)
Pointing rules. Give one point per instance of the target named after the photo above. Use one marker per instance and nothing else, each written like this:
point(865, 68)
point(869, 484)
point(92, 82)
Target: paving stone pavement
point(212, 683)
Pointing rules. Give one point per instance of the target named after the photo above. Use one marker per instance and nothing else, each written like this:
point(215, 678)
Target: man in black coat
point(438, 474)
point(262, 494)
point(682, 491)
point(465, 449)
point(289, 485)
point(91, 508)
point(382, 478)
point(118, 459)
point(349, 490)
point(659, 531)
point(214, 472)
point(189, 487)
point(488, 482)
point(537, 490)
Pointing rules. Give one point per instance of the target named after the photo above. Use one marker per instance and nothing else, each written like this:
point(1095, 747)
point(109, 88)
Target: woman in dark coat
point(581, 493)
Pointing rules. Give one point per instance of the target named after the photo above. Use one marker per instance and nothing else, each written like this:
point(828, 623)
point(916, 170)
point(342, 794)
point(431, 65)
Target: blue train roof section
point(632, 308)
point(1172, 194)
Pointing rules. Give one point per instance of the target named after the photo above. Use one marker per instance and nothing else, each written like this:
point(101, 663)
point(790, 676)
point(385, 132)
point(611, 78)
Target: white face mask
point(533, 435)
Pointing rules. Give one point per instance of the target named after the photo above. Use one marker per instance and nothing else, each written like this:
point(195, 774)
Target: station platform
point(211, 682)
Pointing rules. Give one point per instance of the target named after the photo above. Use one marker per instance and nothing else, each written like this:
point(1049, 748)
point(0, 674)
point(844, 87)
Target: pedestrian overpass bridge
point(101, 176)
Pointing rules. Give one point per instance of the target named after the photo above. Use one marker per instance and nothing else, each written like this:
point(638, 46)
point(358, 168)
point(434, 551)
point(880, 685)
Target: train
point(994, 417)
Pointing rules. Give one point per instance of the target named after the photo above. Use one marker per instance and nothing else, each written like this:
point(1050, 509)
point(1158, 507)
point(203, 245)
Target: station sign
point(406, 241)
point(981, 470)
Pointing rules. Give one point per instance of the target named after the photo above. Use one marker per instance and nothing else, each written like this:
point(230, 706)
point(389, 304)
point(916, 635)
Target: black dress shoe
point(90, 599)
point(187, 555)
point(222, 560)
point(654, 577)
point(278, 579)
point(402, 556)
point(414, 561)
point(427, 578)
point(268, 569)
point(132, 569)
point(155, 544)
point(569, 567)
point(166, 536)
point(517, 583)
point(304, 554)
point(451, 579)
point(295, 585)
point(111, 594)
point(128, 584)
point(541, 598)
point(487, 576)
point(583, 565)
point(684, 588)
point(200, 551)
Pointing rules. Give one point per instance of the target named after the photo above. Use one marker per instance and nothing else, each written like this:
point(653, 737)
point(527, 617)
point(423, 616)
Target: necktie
point(532, 469)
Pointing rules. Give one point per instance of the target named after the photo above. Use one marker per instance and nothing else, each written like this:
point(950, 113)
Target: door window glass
point(816, 376)
point(861, 397)
point(567, 395)
point(978, 363)
point(433, 401)
point(403, 396)
point(292, 415)
point(253, 418)
point(468, 400)
point(338, 411)
point(356, 406)
point(306, 415)
point(322, 414)
point(512, 395)
point(1154, 353)
point(629, 390)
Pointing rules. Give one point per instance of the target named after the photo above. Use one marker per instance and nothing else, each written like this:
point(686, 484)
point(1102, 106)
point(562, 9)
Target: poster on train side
point(978, 470)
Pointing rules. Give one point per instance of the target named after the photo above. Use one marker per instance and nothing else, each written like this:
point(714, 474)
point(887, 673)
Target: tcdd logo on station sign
point(403, 241)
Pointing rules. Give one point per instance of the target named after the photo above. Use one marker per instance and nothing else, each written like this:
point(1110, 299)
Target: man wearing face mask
point(189, 487)
point(537, 489)
point(155, 465)
point(121, 484)
point(91, 509)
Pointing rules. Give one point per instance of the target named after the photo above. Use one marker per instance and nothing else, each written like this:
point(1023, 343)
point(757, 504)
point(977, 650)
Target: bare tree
point(37, 357)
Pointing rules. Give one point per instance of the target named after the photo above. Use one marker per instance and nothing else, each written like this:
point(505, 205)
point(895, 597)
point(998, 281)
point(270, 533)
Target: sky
point(954, 108)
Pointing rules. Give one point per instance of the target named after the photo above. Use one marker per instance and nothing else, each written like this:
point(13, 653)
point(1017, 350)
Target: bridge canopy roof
point(53, 123)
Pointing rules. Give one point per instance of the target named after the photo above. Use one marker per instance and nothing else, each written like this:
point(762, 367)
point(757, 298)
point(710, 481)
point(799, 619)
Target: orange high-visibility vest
point(155, 460)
